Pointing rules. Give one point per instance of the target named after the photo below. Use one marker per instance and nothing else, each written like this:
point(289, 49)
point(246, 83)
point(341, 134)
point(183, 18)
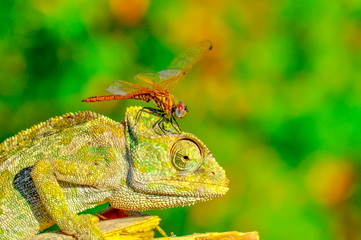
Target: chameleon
point(54, 170)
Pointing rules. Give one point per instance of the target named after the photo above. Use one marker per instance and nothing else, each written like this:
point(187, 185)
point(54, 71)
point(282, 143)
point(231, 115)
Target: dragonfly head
point(180, 110)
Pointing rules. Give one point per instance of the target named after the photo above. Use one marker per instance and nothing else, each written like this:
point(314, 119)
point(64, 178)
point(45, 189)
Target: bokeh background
point(277, 101)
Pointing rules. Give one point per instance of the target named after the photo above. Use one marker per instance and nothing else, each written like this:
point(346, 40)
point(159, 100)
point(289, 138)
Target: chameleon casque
point(68, 164)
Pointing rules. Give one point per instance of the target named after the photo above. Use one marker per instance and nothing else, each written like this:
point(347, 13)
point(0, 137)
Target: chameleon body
point(68, 164)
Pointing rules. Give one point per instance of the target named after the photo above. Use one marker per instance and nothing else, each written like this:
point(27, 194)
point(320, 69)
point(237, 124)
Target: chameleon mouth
point(137, 199)
point(157, 201)
point(182, 189)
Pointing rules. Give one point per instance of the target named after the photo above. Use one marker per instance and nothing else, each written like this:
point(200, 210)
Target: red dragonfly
point(157, 86)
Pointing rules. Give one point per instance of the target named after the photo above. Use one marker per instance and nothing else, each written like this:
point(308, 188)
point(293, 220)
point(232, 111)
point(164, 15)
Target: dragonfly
point(157, 86)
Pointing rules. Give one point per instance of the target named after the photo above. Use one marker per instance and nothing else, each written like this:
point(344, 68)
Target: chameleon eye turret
point(186, 155)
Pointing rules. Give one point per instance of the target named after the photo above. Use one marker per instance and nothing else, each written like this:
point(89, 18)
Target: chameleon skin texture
point(68, 164)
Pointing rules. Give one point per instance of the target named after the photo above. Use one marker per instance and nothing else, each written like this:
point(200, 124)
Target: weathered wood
point(124, 228)
point(141, 227)
point(217, 236)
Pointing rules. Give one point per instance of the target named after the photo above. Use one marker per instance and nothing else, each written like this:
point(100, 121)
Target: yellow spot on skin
point(5, 176)
point(82, 150)
point(66, 140)
point(98, 130)
point(74, 190)
point(116, 131)
point(66, 168)
point(55, 191)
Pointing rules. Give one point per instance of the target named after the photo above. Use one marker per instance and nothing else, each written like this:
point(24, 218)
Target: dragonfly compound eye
point(180, 111)
point(186, 155)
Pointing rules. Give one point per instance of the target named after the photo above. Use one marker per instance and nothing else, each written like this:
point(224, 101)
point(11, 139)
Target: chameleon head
point(168, 170)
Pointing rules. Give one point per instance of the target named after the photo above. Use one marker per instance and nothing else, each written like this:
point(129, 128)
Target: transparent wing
point(185, 63)
point(119, 87)
point(148, 80)
point(166, 79)
point(169, 74)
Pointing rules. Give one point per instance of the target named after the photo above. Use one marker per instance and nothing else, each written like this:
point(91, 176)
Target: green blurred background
point(277, 101)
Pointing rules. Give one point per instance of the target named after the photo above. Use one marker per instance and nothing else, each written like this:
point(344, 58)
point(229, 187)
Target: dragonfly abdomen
point(145, 97)
point(141, 96)
point(103, 98)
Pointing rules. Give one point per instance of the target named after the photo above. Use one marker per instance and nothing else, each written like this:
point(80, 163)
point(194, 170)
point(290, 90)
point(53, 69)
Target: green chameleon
point(68, 164)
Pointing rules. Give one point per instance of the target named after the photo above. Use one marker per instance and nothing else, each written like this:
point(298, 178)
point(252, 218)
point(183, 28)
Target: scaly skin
point(75, 162)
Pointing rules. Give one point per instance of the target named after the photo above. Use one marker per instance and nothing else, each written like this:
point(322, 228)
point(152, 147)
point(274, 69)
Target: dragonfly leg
point(153, 110)
point(159, 123)
point(172, 121)
point(139, 113)
point(176, 126)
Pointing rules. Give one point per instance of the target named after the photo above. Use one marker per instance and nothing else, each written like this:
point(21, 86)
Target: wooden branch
point(141, 227)
point(216, 236)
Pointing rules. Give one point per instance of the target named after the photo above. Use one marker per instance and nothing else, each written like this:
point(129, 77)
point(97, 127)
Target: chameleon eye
point(186, 155)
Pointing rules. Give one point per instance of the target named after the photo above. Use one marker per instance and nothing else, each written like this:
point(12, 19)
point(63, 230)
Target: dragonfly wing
point(169, 74)
point(185, 62)
point(119, 87)
point(148, 80)
point(169, 77)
